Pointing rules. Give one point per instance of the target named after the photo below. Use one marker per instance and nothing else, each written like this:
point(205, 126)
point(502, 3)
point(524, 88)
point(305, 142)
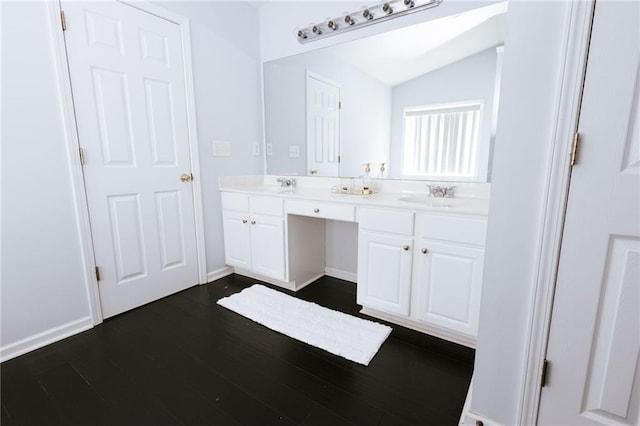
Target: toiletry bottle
point(366, 181)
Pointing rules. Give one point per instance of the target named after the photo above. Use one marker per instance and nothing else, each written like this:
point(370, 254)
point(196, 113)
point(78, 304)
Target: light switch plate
point(221, 149)
point(269, 149)
point(256, 148)
point(294, 151)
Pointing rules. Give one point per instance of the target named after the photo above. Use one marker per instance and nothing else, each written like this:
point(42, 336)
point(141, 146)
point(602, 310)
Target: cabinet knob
point(405, 248)
point(316, 210)
point(253, 222)
point(424, 251)
point(244, 220)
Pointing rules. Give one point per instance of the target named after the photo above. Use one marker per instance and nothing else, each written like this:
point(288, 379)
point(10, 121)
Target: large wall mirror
point(419, 102)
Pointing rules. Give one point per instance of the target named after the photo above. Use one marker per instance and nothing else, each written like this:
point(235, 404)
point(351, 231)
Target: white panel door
point(447, 282)
point(128, 86)
point(384, 272)
point(594, 341)
point(323, 126)
point(267, 246)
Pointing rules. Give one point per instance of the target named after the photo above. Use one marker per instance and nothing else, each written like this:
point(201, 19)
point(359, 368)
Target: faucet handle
point(286, 182)
point(448, 191)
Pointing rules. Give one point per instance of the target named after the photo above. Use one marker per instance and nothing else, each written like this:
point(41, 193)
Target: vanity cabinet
point(385, 241)
point(254, 234)
point(447, 277)
point(429, 279)
point(420, 269)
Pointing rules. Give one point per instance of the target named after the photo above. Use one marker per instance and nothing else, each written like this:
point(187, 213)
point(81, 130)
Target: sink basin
point(424, 200)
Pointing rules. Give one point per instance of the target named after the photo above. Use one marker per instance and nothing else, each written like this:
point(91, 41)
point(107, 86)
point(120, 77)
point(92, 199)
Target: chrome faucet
point(287, 182)
point(441, 191)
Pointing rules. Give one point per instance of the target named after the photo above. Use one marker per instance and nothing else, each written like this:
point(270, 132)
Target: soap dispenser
point(367, 187)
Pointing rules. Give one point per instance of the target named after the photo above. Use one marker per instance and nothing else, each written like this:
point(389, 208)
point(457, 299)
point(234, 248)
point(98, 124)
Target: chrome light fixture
point(365, 17)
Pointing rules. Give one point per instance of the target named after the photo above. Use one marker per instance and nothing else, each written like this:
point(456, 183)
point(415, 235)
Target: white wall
point(42, 281)
point(226, 73)
point(471, 79)
point(364, 118)
point(533, 61)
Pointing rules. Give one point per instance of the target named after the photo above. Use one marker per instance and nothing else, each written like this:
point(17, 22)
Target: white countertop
point(388, 195)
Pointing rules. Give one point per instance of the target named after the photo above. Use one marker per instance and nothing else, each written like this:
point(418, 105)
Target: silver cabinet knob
point(405, 248)
point(244, 220)
point(424, 251)
point(253, 222)
point(316, 210)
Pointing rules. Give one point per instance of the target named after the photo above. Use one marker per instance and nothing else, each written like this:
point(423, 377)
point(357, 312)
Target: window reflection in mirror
point(422, 100)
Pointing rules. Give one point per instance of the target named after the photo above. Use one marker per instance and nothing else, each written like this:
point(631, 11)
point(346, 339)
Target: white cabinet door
point(447, 283)
point(237, 239)
point(267, 246)
point(384, 272)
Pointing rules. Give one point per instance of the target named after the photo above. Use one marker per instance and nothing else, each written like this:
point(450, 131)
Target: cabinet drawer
point(390, 221)
point(271, 206)
point(322, 210)
point(237, 202)
point(453, 229)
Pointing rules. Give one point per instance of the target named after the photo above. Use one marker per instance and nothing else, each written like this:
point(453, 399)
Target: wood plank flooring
point(184, 360)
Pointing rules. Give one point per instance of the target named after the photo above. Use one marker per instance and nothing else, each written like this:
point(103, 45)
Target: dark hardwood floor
point(185, 360)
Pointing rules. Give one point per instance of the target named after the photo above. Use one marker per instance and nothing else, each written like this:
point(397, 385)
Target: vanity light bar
point(362, 18)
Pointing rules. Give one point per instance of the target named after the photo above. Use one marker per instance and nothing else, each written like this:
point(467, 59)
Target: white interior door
point(129, 93)
point(594, 341)
point(323, 126)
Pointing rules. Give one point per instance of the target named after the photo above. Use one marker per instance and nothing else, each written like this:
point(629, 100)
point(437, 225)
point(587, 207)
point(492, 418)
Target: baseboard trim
point(44, 338)
point(340, 274)
point(432, 330)
point(219, 273)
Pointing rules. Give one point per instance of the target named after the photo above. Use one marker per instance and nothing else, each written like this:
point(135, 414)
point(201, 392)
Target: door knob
point(424, 251)
point(253, 222)
point(313, 171)
point(186, 177)
point(405, 248)
point(244, 220)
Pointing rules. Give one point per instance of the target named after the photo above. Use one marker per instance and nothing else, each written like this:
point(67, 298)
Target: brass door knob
point(186, 177)
point(313, 171)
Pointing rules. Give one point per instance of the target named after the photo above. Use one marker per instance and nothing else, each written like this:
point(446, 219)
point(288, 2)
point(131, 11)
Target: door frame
point(571, 81)
point(73, 145)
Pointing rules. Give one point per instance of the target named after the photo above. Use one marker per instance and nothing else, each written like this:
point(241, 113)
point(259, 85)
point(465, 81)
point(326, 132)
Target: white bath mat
point(352, 338)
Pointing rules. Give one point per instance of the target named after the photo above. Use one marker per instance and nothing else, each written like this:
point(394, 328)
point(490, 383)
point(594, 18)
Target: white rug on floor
point(352, 338)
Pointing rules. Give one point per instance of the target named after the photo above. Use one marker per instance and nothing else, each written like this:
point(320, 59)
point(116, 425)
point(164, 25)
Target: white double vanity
point(420, 258)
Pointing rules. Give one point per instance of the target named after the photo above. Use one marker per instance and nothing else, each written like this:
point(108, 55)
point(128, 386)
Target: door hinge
point(574, 149)
point(97, 273)
point(63, 21)
point(544, 374)
point(82, 156)
point(339, 104)
point(338, 159)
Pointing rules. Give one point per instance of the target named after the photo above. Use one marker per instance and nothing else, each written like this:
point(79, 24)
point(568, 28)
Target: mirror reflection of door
point(323, 126)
